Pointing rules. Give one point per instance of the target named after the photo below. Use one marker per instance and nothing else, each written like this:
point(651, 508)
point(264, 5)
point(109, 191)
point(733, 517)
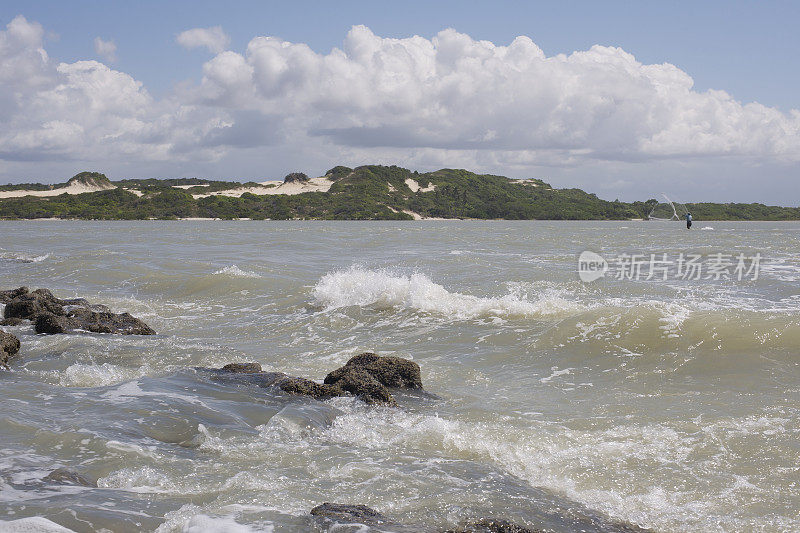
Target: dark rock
point(242, 368)
point(340, 512)
point(7, 296)
point(82, 302)
point(51, 324)
point(359, 383)
point(492, 525)
point(300, 386)
point(390, 371)
point(65, 476)
point(11, 321)
point(53, 315)
point(295, 177)
point(364, 386)
point(9, 345)
point(104, 322)
point(29, 305)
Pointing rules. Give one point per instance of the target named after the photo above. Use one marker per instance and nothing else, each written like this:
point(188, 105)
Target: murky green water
point(671, 404)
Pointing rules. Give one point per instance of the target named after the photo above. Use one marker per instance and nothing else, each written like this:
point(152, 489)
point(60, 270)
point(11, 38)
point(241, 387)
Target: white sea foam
point(83, 375)
point(707, 228)
point(383, 289)
point(191, 519)
point(34, 524)
point(236, 272)
point(22, 258)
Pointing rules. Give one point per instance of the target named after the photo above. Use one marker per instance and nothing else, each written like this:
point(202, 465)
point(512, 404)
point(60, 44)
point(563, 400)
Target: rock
point(11, 321)
point(389, 371)
point(295, 177)
point(358, 383)
point(7, 296)
point(52, 315)
point(364, 386)
point(29, 305)
point(51, 324)
point(306, 387)
point(340, 512)
point(105, 322)
point(9, 345)
point(65, 476)
point(242, 368)
point(492, 525)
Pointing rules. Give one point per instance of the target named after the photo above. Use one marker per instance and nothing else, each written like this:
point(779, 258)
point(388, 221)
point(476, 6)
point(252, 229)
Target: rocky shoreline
point(368, 377)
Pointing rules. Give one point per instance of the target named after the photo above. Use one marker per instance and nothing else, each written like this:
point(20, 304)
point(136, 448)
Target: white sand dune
point(275, 187)
point(75, 188)
point(415, 186)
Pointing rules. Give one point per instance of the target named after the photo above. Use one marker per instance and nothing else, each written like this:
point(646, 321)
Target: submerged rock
point(339, 512)
point(367, 376)
point(52, 315)
point(9, 345)
point(242, 368)
point(492, 525)
point(252, 373)
point(65, 476)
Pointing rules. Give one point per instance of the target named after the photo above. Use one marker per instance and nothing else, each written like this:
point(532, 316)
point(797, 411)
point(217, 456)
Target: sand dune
point(75, 188)
point(275, 187)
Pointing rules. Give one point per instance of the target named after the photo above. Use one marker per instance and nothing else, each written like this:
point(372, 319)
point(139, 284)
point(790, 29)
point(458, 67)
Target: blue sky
point(747, 49)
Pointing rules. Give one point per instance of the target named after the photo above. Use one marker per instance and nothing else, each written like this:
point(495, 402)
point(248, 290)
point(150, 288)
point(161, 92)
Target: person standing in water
point(688, 220)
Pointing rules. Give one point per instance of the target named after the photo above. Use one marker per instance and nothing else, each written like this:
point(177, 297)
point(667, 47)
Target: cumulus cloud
point(450, 100)
point(214, 39)
point(105, 49)
point(453, 92)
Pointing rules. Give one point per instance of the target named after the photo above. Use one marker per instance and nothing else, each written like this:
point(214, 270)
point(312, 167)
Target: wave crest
point(382, 289)
point(236, 272)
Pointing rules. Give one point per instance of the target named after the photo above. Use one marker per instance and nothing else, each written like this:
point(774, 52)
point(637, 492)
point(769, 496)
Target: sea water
point(668, 403)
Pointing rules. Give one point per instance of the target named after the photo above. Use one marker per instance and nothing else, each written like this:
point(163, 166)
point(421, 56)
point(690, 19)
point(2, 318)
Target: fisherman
point(688, 220)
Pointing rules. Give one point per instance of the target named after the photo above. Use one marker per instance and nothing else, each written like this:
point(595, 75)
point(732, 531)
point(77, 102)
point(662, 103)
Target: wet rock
point(242, 368)
point(9, 345)
point(105, 322)
point(364, 386)
point(7, 296)
point(31, 304)
point(389, 371)
point(358, 383)
point(339, 512)
point(492, 525)
point(51, 324)
point(65, 476)
point(52, 315)
point(12, 321)
point(305, 387)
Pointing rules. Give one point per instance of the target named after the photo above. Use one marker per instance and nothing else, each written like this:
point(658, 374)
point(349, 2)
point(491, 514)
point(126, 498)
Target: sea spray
point(383, 289)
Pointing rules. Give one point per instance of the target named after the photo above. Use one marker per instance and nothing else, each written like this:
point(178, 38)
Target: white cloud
point(446, 101)
point(105, 49)
point(453, 92)
point(214, 39)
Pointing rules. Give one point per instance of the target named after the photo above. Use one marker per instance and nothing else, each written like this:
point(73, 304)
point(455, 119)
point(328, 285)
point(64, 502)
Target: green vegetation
point(365, 193)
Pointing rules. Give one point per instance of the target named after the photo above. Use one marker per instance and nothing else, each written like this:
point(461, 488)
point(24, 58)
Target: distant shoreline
point(370, 192)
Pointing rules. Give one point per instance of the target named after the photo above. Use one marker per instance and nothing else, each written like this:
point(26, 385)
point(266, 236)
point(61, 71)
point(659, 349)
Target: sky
point(624, 99)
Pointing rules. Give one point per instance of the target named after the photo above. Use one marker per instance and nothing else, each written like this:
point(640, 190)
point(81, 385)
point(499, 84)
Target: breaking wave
point(236, 272)
point(22, 258)
point(382, 289)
